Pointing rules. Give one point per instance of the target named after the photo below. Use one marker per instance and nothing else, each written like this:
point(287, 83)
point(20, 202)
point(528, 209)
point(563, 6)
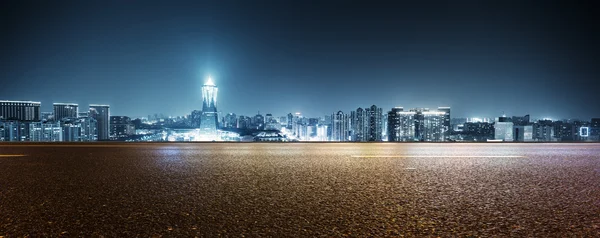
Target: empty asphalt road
point(300, 189)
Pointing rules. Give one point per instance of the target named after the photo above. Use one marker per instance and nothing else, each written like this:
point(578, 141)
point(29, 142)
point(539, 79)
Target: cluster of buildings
point(23, 121)
point(523, 129)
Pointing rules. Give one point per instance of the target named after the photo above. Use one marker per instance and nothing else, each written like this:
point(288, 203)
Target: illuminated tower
point(209, 118)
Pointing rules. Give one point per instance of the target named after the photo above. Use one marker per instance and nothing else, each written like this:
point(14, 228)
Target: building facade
point(210, 118)
point(121, 127)
point(101, 114)
point(503, 129)
point(339, 127)
point(375, 123)
point(65, 110)
point(359, 121)
point(20, 110)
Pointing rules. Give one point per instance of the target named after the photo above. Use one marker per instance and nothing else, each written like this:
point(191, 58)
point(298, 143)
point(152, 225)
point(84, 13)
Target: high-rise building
point(15, 130)
point(258, 122)
point(101, 113)
point(563, 131)
point(384, 126)
point(447, 126)
point(339, 127)
point(408, 126)
point(321, 132)
point(433, 126)
point(121, 127)
point(65, 110)
point(419, 122)
point(290, 121)
point(89, 129)
point(271, 122)
point(230, 121)
point(375, 123)
point(393, 125)
point(79, 129)
point(428, 125)
point(478, 131)
point(359, 127)
point(195, 118)
point(20, 110)
point(244, 122)
point(543, 130)
point(210, 117)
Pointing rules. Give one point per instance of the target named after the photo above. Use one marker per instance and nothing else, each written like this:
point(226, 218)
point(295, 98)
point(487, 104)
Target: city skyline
point(480, 58)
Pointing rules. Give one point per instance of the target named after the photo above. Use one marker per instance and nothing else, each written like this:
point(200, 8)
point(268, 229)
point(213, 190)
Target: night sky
point(481, 58)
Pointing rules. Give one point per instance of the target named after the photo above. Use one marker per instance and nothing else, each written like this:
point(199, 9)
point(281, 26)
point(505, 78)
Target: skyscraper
point(290, 121)
point(65, 110)
point(101, 113)
point(210, 118)
point(446, 123)
point(359, 124)
point(195, 118)
point(230, 121)
point(419, 121)
point(121, 127)
point(433, 126)
point(258, 122)
point(271, 123)
point(20, 110)
point(244, 122)
point(375, 123)
point(393, 127)
point(339, 126)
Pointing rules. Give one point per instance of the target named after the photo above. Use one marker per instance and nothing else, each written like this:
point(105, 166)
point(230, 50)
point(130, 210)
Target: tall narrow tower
point(209, 118)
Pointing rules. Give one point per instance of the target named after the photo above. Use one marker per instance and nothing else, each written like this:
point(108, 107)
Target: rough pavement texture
point(303, 189)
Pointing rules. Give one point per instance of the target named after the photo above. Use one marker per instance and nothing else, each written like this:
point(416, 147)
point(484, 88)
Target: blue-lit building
point(339, 127)
point(375, 123)
point(101, 113)
point(65, 110)
point(359, 127)
point(210, 118)
point(20, 110)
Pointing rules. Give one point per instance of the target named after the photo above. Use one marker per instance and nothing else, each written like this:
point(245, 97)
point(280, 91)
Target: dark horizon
point(480, 58)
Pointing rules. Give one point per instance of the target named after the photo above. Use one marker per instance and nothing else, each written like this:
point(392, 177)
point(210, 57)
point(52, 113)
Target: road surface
point(300, 189)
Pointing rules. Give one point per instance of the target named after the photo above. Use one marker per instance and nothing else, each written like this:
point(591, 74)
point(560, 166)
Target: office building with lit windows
point(65, 110)
point(101, 114)
point(20, 110)
point(359, 127)
point(339, 127)
point(375, 123)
